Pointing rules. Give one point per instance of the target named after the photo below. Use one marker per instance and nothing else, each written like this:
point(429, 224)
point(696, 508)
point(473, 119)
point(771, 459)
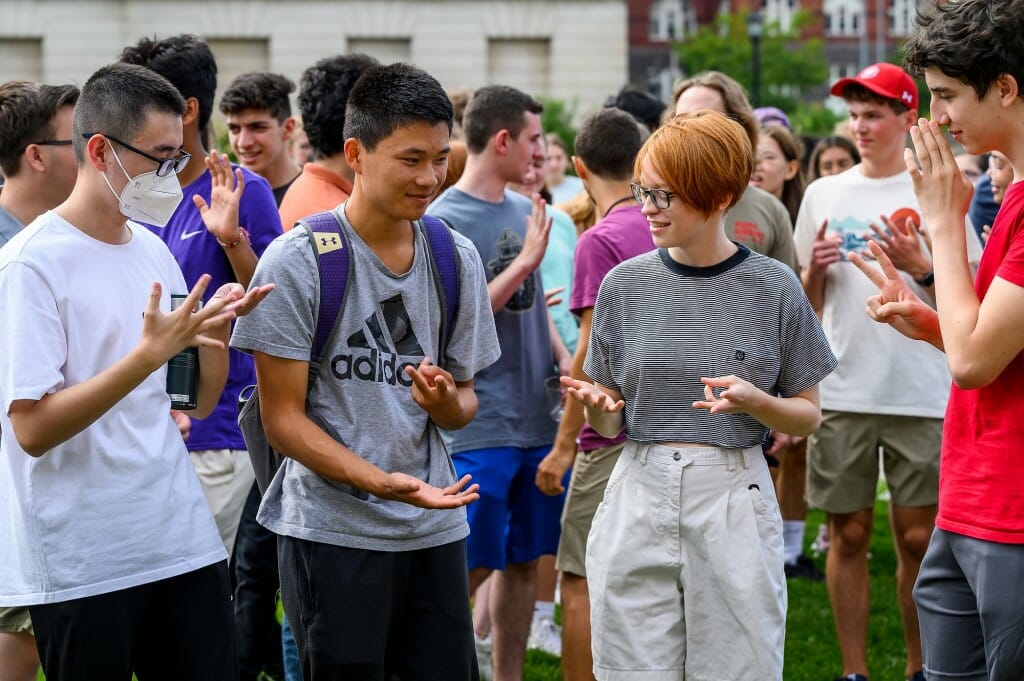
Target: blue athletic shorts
point(512, 522)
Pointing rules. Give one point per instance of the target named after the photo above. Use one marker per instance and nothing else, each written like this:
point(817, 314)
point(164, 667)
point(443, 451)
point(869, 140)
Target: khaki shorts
point(590, 473)
point(15, 620)
point(226, 476)
point(842, 460)
point(684, 564)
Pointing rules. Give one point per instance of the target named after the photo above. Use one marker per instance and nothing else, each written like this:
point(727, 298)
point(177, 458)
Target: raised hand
point(164, 334)
point(896, 303)
point(551, 296)
point(538, 230)
point(411, 490)
point(737, 396)
point(825, 249)
point(591, 396)
point(433, 388)
point(221, 215)
point(942, 189)
point(902, 243)
point(240, 301)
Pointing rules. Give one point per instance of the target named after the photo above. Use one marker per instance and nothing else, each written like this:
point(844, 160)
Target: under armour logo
point(333, 241)
point(907, 97)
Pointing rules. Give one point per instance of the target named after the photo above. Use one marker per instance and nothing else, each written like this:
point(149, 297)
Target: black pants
point(361, 615)
point(254, 562)
point(176, 628)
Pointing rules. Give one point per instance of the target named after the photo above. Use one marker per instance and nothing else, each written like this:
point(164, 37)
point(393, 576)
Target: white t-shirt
point(119, 504)
point(880, 371)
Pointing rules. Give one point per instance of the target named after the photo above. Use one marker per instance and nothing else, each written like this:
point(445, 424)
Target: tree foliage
point(790, 65)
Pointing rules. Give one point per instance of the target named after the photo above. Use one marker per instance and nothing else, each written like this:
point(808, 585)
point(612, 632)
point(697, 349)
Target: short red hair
point(705, 158)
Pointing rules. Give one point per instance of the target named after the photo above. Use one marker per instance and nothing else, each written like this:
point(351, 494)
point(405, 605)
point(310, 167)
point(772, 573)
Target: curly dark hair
point(259, 91)
point(323, 95)
point(186, 61)
point(975, 41)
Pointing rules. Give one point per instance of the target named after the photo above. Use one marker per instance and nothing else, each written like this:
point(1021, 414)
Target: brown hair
point(737, 106)
point(793, 150)
point(705, 158)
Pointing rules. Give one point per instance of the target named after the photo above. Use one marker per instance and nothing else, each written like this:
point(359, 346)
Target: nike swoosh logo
point(189, 235)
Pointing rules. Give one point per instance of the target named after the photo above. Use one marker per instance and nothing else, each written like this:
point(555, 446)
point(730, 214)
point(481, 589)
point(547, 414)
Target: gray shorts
point(970, 603)
point(590, 473)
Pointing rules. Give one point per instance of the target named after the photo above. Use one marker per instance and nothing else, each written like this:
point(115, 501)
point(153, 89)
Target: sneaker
point(852, 677)
point(545, 635)
point(918, 676)
point(804, 568)
point(484, 651)
point(820, 544)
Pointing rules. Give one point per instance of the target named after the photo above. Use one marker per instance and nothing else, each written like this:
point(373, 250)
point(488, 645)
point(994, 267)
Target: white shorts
point(684, 564)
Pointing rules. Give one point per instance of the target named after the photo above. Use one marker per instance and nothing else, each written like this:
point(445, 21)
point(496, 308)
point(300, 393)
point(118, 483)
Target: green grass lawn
point(811, 650)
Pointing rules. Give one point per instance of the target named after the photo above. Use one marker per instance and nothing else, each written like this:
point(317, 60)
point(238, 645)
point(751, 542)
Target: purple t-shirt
point(622, 234)
point(198, 253)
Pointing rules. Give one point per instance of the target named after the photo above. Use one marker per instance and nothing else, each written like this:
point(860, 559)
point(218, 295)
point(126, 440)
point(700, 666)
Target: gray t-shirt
point(362, 396)
point(659, 326)
point(9, 226)
point(513, 407)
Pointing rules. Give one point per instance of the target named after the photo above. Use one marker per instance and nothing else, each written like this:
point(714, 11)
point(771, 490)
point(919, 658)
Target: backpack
point(331, 249)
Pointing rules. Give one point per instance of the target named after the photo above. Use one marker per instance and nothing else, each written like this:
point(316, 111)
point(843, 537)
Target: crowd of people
point(499, 368)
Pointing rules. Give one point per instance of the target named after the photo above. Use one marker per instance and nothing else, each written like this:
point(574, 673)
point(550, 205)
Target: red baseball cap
point(884, 79)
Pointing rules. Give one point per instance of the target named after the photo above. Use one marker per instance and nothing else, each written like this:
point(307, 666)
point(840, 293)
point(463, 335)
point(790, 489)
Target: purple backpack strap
point(331, 250)
point(445, 261)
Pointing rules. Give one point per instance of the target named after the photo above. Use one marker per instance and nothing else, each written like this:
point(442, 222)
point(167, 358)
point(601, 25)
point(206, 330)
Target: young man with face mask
point(227, 254)
point(120, 563)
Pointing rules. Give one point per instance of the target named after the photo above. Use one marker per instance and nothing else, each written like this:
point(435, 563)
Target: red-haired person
point(698, 349)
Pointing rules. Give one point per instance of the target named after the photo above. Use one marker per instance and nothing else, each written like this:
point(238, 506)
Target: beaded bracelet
point(242, 234)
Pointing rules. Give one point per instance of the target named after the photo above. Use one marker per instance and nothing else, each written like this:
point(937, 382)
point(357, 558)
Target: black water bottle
point(183, 372)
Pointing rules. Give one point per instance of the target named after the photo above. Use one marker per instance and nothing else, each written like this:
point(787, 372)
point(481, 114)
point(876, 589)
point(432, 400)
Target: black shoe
point(918, 676)
point(852, 677)
point(804, 568)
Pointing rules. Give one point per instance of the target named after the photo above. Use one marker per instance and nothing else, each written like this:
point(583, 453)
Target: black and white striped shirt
point(659, 326)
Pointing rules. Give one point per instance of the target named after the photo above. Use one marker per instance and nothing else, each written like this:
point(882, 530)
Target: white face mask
point(146, 197)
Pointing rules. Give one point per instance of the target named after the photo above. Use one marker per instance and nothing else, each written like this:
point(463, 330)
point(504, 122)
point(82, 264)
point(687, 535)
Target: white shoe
point(821, 542)
point(545, 635)
point(484, 652)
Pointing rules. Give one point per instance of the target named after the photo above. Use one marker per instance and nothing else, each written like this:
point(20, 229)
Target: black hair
point(492, 109)
point(974, 41)
point(855, 92)
point(117, 99)
point(386, 98)
point(259, 91)
point(823, 145)
point(607, 142)
point(27, 111)
point(186, 61)
point(323, 94)
point(643, 106)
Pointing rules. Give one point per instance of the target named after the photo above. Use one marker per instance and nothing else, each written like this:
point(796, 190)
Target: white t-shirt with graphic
point(119, 504)
point(880, 371)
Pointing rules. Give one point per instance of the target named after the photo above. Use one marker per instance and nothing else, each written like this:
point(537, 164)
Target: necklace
point(611, 207)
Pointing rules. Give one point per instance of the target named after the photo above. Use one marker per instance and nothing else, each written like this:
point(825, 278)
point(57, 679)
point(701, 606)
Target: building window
point(843, 17)
point(670, 20)
point(522, 63)
point(781, 11)
point(902, 17)
point(22, 59)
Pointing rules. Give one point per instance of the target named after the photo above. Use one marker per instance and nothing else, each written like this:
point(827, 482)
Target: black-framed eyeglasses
point(661, 198)
point(165, 166)
point(53, 143)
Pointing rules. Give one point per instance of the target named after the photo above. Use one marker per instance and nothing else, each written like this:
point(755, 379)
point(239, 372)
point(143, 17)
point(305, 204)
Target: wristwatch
point(926, 279)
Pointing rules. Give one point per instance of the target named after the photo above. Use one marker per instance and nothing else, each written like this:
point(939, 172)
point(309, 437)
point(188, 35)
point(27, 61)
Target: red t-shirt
point(981, 482)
